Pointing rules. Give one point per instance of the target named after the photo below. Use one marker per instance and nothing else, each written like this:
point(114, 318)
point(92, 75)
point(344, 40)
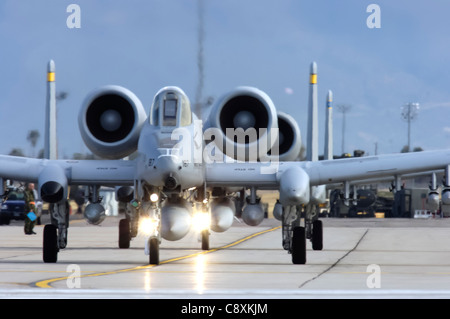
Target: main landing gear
point(205, 239)
point(146, 220)
point(55, 234)
point(295, 236)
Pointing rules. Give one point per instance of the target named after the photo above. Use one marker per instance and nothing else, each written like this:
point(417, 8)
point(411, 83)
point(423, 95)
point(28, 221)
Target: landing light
point(154, 197)
point(201, 221)
point(148, 226)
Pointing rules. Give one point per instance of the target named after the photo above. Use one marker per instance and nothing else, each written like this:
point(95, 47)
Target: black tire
point(299, 246)
point(124, 233)
point(50, 244)
point(317, 235)
point(4, 220)
point(205, 239)
point(154, 251)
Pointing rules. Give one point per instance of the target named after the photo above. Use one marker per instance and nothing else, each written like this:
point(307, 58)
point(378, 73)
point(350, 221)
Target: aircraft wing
point(76, 172)
point(268, 175)
point(371, 168)
point(376, 167)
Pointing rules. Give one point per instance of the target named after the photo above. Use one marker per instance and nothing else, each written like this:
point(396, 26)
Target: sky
point(145, 45)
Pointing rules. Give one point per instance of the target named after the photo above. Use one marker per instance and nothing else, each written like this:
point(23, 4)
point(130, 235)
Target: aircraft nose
point(168, 166)
point(168, 163)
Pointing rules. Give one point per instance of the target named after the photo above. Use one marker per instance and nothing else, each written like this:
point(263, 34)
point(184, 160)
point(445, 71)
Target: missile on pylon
point(50, 151)
point(328, 154)
point(175, 219)
point(433, 194)
point(95, 213)
point(222, 214)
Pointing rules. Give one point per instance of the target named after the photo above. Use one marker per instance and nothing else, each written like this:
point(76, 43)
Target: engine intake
point(289, 139)
point(110, 121)
point(246, 124)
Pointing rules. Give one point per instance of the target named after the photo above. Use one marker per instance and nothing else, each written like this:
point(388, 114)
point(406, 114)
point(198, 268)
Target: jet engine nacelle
point(175, 219)
point(52, 183)
point(253, 214)
point(245, 120)
point(110, 121)
point(222, 214)
point(94, 213)
point(289, 139)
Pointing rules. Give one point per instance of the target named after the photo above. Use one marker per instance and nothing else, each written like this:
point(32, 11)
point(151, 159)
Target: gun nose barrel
point(171, 182)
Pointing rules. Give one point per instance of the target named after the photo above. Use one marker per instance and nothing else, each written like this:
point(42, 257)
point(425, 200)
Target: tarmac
point(363, 258)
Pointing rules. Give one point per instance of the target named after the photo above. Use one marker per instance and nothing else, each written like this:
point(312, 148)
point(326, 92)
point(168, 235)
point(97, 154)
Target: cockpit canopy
point(171, 108)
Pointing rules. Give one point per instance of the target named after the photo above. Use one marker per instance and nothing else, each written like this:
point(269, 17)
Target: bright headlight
point(154, 197)
point(148, 226)
point(201, 221)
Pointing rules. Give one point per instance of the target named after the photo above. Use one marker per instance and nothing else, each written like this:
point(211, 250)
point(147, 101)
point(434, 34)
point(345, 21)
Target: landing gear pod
point(52, 184)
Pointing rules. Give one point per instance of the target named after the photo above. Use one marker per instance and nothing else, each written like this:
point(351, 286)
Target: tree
point(33, 137)
point(405, 149)
point(16, 152)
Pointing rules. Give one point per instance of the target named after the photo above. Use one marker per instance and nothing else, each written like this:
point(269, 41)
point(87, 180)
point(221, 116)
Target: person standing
point(30, 209)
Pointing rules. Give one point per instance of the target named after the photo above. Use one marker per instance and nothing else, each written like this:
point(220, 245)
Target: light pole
point(343, 108)
point(409, 113)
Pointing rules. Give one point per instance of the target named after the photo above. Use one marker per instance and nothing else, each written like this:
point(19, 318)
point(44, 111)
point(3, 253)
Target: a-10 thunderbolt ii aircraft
point(185, 170)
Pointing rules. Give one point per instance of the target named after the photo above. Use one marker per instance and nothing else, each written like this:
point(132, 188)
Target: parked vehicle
point(12, 208)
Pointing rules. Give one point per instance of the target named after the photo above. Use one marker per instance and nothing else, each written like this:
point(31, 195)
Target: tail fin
point(312, 144)
point(50, 147)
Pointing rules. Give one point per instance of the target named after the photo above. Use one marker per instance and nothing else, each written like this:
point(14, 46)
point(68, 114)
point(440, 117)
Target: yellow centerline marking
point(46, 283)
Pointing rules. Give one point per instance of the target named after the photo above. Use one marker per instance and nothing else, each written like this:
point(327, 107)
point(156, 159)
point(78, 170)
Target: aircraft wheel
point(205, 239)
point(124, 233)
point(50, 247)
point(153, 244)
point(299, 246)
point(4, 220)
point(317, 235)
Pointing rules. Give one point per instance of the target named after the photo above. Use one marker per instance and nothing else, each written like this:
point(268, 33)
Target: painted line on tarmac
point(47, 283)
